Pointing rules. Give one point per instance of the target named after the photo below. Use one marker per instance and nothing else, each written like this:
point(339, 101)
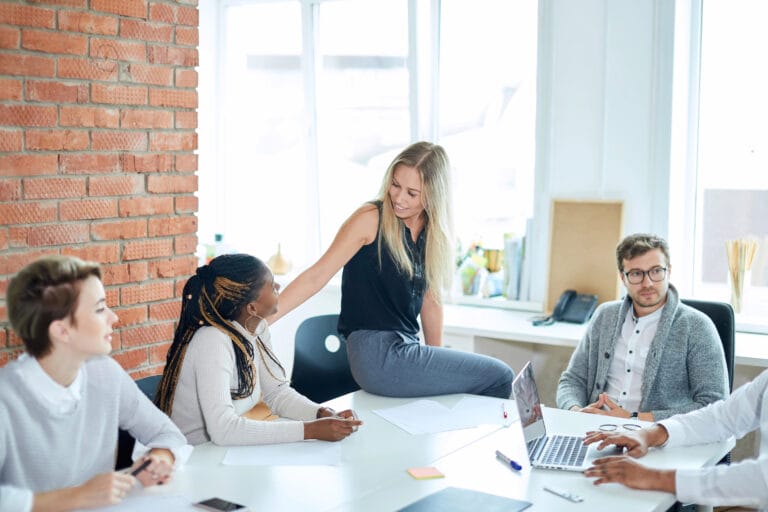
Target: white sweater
point(744, 483)
point(205, 411)
point(43, 449)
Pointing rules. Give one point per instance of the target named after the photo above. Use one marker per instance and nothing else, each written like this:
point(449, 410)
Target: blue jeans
point(395, 364)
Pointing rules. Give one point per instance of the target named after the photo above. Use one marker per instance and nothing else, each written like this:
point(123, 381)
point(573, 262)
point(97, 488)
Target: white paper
point(305, 453)
point(165, 503)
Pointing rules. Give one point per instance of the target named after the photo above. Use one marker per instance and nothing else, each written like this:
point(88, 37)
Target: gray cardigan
point(685, 368)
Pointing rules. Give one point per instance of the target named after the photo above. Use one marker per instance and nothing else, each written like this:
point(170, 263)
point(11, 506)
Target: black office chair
point(125, 441)
point(320, 372)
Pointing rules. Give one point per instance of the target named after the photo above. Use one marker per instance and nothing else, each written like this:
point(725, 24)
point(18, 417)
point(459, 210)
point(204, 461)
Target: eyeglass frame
point(613, 427)
point(646, 273)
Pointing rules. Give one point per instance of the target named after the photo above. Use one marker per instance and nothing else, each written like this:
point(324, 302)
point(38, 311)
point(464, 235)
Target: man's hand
point(635, 443)
point(628, 472)
point(606, 407)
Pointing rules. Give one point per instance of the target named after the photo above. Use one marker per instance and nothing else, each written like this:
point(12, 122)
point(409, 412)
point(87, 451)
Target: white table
point(372, 475)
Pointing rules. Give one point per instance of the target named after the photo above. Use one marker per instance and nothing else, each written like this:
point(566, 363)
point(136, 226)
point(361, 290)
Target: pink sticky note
point(424, 473)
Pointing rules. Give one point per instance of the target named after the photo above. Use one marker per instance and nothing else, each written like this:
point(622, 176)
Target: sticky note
point(424, 473)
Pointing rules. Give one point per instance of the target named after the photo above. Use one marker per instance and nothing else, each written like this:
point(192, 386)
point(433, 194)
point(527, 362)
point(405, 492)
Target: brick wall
point(97, 136)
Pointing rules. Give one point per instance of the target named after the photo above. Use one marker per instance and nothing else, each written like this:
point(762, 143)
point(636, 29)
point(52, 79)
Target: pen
point(503, 410)
point(514, 465)
point(142, 467)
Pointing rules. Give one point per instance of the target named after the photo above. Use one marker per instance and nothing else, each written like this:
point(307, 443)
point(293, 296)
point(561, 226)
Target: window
point(731, 192)
point(314, 98)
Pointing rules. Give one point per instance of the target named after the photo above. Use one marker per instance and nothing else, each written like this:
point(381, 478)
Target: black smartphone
point(219, 504)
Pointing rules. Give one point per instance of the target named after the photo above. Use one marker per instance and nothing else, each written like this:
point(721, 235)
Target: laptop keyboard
point(564, 451)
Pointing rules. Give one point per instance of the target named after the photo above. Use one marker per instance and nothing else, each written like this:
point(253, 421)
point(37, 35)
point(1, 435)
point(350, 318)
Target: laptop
point(564, 452)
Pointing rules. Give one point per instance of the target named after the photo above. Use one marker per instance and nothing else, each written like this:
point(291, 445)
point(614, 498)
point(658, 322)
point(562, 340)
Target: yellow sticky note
point(424, 473)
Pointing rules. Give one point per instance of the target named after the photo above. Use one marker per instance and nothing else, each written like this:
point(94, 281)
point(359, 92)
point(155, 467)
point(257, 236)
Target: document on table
point(429, 417)
point(304, 453)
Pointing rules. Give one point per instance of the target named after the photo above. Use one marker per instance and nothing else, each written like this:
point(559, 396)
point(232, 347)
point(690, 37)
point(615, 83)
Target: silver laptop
point(552, 452)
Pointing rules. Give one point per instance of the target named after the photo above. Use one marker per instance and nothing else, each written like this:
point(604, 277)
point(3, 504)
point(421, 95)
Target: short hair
point(639, 244)
point(44, 291)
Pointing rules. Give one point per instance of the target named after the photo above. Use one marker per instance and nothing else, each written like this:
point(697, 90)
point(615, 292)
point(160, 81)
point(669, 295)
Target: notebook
point(552, 452)
point(454, 499)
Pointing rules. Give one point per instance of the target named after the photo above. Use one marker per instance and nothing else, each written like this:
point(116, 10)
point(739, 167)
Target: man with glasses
point(647, 356)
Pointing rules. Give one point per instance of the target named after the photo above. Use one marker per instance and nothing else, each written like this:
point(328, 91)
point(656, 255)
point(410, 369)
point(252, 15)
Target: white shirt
point(625, 375)
point(60, 399)
point(742, 483)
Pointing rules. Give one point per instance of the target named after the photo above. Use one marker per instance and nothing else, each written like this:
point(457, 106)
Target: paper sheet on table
point(305, 453)
point(429, 417)
point(165, 503)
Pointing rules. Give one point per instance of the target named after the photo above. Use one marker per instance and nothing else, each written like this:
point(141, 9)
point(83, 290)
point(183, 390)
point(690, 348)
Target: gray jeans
point(395, 364)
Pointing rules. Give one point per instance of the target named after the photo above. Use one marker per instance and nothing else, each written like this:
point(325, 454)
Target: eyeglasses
point(636, 276)
point(610, 427)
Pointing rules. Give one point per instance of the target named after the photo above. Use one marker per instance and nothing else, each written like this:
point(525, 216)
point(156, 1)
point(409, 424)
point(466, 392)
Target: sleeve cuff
point(180, 453)
point(15, 499)
point(674, 432)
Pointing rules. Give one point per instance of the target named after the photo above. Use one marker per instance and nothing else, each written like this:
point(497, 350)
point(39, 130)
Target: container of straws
point(741, 254)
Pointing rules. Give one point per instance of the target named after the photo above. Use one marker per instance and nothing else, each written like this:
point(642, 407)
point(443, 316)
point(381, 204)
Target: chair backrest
point(721, 314)
point(319, 373)
point(125, 442)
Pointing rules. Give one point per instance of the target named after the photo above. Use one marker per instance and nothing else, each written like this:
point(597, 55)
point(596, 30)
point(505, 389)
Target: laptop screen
point(528, 404)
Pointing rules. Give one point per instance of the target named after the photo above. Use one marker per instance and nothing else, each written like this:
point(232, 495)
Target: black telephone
point(571, 307)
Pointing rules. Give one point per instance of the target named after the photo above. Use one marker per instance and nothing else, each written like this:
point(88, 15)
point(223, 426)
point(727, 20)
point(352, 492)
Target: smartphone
point(218, 504)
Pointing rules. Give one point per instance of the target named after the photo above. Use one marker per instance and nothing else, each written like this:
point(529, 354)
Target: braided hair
point(215, 296)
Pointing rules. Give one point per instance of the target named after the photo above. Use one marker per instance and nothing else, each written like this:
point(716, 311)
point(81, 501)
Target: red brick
point(14, 14)
point(92, 117)
point(139, 206)
point(162, 12)
point(186, 78)
point(27, 213)
point(165, 310)
point(180, 286)
point(159, 351)
point(81, 21)
point(146, 334)
point(187, 36)
point(179, 267)
point(146, 31)
point(9, 38)
point(173, 98)
point(10, 140)
point(28, 165)
point(10, 190)
point(185, 141)
point(186, 204)
point(6, 356)
point(123, 185)
point(10, 263)
point(58, 234)
point(57, 140)
point(104, 68)
point(113, 300)
point(146, 292)
point(132, 8)
point(26, 65)
point(88, 209)
point(119, 141)
point(172, 184)
point(135, 272)
point(186, 120)
point(147, 249)
point(178, 225)
point(186, 163)
point(53, 188)
point(119, 94)
point(148, 74)
point(174, 56)
point(53, 42)
point(101, 253)
point(57, 92)
point(26, 115)
point(66, 3)
point(143, 118)
point(131, 315)
point(3, 335)
point(10, 89)
point(185, 244)
point(119, 230)
point(18, 236)
point(129, 359)
point(3, 246)
point(89, 163)
point(187, 16)
point(117, 49)
point(159, 162)
point(146, 371)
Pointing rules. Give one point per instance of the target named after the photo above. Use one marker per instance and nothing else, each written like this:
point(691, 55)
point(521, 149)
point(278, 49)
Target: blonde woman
point(397, 253)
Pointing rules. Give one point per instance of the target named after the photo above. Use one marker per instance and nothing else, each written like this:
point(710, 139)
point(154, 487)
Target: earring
point(259, 322)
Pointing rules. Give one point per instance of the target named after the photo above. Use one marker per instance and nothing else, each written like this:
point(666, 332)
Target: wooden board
point(582, 248)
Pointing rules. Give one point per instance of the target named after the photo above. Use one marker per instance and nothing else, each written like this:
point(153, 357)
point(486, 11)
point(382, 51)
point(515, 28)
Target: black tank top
point(381, 297)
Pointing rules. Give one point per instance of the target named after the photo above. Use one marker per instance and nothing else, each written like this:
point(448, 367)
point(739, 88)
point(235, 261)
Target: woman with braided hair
point(221, 364)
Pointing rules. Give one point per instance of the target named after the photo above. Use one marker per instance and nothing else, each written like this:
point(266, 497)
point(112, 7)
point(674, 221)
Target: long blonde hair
point(432, 163)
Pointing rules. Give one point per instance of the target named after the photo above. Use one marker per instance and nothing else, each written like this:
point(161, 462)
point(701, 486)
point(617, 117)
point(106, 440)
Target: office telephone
point(571, 307)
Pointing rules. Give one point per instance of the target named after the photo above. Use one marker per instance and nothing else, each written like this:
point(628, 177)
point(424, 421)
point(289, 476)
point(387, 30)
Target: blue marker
point(514, 465)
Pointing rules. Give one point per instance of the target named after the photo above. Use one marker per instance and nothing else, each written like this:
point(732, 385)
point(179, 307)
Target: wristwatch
point(634, 414)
